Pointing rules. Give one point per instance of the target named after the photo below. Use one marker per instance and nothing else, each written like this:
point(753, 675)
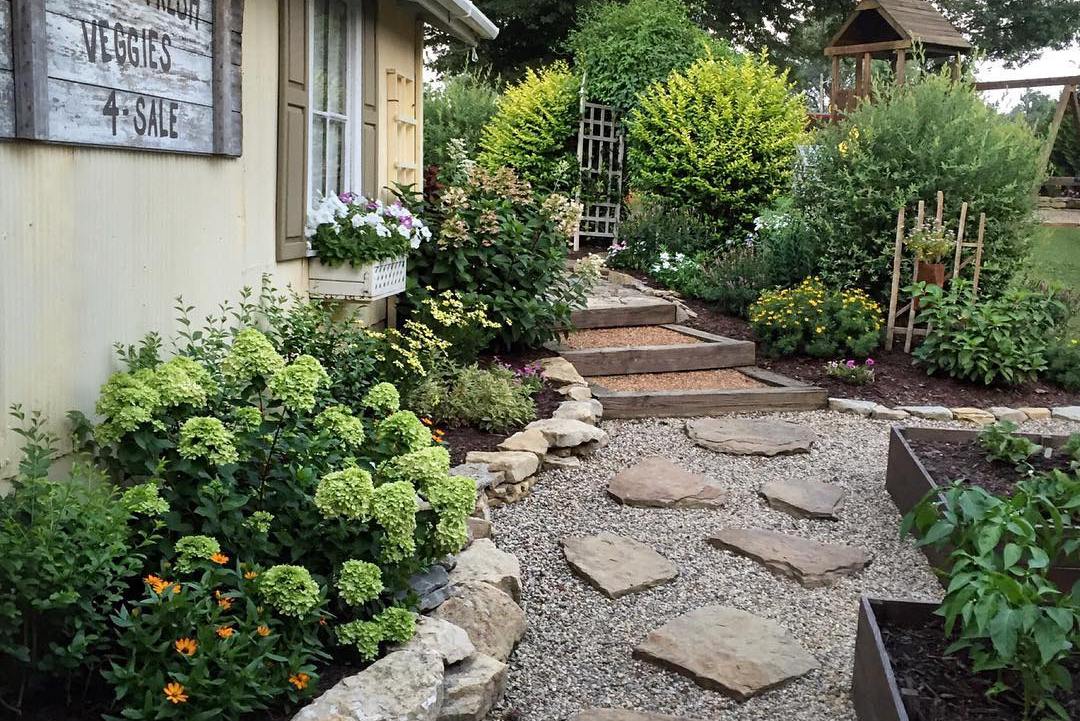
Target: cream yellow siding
point(97, 243)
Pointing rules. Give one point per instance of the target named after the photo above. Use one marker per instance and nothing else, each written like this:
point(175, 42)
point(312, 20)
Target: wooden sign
point(7, 77)
point(139, 74)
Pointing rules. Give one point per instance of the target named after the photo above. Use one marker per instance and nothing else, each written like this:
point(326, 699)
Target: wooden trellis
point(600, 162)
point(961, 260)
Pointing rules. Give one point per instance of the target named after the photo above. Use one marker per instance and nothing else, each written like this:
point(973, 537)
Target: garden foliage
point(494, 399)
point(457, 110)
point(927, 135)
point(814, 320)
point(719, 137)
point(1063, 364)
point(1001, 340)
point(351, 229)
point(622, 48)
point(534, 129)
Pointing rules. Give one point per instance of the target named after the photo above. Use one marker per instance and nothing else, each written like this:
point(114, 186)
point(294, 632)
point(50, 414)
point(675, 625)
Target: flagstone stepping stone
point(804, 498)
point(619, 714)
point(746, 437)
point(811, 563)
point(726, 649)
point(658, 483)
point(617, 565)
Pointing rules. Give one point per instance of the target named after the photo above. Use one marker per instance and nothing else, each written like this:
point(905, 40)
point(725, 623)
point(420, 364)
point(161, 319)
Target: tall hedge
point(623, 47)
point(720, 138)
point(534, 128)
point(930, 134)
point(458, 110)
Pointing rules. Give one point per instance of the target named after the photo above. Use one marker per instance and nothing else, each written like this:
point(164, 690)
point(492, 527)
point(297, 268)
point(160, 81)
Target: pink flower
point(870, 362)
point(851, 364)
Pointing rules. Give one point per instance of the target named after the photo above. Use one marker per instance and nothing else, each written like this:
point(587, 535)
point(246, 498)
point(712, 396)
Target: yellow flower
point(299, 680)
point(225, 631)
point(174, 692)
point(250, 576)
point(263, 631)
point(186, 646)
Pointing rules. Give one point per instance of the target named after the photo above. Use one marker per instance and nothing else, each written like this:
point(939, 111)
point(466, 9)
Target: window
point(334, 151)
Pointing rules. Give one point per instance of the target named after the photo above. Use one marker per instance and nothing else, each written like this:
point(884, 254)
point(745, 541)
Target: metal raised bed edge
point(908, 482)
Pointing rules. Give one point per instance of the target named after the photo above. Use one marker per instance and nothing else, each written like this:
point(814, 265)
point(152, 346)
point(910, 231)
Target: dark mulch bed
point(898, 380)
point(948, 461)
point(937, 687)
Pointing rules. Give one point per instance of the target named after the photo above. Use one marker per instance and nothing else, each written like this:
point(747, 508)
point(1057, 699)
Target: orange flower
point(300, 680)
point(174, 692)
point(225, 631)
point(159, 585)
point(426, 421)
point(220, 559)
point(263, 631)
point(186, 646)
point(225, 603)
point(250, 575)
point(322, 621)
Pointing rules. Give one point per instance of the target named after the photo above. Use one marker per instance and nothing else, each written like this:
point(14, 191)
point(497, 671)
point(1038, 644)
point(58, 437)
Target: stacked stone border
point(978, 416)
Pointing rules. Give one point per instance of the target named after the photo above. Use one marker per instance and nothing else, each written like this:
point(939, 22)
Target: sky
point(1052, 63)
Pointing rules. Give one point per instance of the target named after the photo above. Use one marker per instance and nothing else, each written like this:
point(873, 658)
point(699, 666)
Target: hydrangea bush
point(350, 228)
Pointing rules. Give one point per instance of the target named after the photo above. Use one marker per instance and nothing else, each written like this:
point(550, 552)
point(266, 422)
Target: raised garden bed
point(903, 674)
point(651, 349)
point(770, 392)
point(925, 459)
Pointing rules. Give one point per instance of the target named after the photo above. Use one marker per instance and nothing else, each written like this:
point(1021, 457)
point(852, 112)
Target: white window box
point(367, 282)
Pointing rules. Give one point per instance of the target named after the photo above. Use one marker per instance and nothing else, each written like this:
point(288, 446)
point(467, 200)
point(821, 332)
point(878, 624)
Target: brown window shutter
point(292, 170)
point(369, 86)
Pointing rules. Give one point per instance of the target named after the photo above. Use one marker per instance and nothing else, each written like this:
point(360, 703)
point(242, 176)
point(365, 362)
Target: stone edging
point(979, 416)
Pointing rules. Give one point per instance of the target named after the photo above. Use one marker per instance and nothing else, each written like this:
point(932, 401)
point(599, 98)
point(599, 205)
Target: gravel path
point(577, 652)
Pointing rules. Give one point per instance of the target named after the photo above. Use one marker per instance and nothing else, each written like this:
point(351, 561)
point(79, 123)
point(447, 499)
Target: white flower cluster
point(669, 261)
point(340, 212)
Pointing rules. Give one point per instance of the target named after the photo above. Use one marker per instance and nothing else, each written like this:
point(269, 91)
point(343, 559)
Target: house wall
point(97, 243)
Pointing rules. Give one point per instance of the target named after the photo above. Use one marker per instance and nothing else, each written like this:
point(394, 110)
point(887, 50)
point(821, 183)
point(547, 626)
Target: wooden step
point(775, 393)
point(700, 351)
point(625, 311)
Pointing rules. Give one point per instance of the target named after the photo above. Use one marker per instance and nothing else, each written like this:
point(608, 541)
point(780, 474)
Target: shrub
point(492, 399)
point(458, 110)
point(816, 321)
point(927, 135)
point(502, 245)
point(1063, 364)
point(534, 128)
point(652, 227)
point(1001, 443)
point(68, 549)
point(719, 137)
point(1001, 340)
point(622, 48)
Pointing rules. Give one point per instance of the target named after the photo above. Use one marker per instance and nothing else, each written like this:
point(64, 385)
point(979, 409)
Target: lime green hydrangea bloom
point(127, 401)
point(451, 535)
point(144, 500)
point(383, 399)
point(247, 419)
point(205, 437)
point(194, 548)
point(452, 495)
point(181, 380)
point(296, 384)
point(398, 624)
point(251, 355)
point(290, 590)
point(359, 582)
point(364, 635)
point(419, 468)
point(395, 507)
point(259, 521)
point(339, 422)
point(402, 433)
point(345, 494)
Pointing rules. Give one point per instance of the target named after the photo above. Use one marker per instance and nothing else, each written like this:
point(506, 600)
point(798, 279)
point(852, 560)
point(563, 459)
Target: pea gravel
point(577, 651)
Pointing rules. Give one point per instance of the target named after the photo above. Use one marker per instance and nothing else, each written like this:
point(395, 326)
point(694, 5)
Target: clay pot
point(930, 273)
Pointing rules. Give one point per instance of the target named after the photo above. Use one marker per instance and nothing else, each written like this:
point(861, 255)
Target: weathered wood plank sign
point(139, 74)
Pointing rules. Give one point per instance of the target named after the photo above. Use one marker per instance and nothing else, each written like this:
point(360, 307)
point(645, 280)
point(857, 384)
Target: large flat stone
point(589, 411)
point(484, 562)
point(973, 415)
point(491, 618)
point(804, 497)
point(744, 437)
point(529, 441)
point(619, 714)
point(930, 413)
point(471, 688)
point(403, 686)
point(656, 482)
point(448, 640)
point(516, 466)
point(484, 476)
point(617, 565)
point(1067, 413)
point(811, 563)
point(1004, 413)
point(567, 432)
point(560, 372)
point(728, 650)
point(850, 405)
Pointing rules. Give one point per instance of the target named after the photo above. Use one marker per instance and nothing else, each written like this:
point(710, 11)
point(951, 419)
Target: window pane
point(337, 56)
point(335, 157)
point(320, 23)
point(318, 158)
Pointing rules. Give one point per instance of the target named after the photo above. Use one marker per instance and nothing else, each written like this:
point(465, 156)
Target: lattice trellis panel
point(600, 160)
point(401, 135)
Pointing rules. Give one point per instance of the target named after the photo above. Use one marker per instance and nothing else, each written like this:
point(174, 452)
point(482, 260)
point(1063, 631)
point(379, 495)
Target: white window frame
point(353, 101)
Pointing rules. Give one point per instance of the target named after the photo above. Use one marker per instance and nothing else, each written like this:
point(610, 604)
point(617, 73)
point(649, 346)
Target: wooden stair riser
point(620, 316)
point(660, 358)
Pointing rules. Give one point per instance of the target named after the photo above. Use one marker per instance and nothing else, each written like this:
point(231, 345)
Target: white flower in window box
point(360, 247)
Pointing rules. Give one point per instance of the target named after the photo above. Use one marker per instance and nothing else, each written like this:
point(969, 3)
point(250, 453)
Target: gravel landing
point(577, 651)
point(624, 337)
point(715, 379)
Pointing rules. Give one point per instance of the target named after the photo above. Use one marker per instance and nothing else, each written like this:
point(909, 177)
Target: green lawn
point(1056, 257)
